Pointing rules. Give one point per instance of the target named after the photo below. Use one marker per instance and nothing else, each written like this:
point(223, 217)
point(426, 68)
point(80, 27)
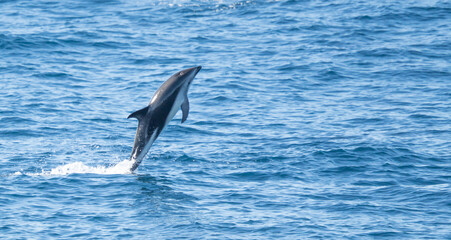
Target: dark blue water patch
point(367, 121)
point(290, 67)
point(192, 130)
point(104, 2)
point(330, 74)
point(380, 52)
point(154, 60)
point(110, 45)
point(422, 51)
point(397, 18)
point(422, 116)
point(75, 100)
point(185, 158)
point(50, 75)
point(217, 123)
point(423, 73)
point(250, 176)
point(196, 173)
point(84, 34)
point(362, 154)
point(23, 42)
point(19, 133)
point(345, 170)
point(21, 68)
point(100, 120)
point(260, 176)
point(53, 130)
point(16, 120)
point(74, 42)
point(376, 183)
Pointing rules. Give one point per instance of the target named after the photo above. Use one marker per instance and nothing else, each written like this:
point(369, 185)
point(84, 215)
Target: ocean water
point(309, 120)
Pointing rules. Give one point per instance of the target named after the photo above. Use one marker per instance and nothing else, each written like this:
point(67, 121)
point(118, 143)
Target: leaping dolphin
point(165, 103)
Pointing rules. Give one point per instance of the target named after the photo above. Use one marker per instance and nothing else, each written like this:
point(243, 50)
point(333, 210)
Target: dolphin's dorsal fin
point(140, 114)
point(185, 109)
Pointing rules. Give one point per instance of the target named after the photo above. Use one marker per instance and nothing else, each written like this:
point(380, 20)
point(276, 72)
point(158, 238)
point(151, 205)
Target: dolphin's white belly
point(177, 103)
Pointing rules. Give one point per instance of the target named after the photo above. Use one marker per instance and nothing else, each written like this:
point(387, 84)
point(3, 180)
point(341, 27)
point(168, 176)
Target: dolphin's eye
point(181, 73)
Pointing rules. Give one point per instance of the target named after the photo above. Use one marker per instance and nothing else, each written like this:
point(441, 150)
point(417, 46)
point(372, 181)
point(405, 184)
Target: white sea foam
point(79, 167)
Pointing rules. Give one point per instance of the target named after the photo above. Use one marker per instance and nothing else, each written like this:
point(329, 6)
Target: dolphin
point(165, 103)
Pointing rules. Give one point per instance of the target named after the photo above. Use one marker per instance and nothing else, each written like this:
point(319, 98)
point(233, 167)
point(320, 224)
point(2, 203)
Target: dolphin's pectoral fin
point(185, 109)
point(140, 114)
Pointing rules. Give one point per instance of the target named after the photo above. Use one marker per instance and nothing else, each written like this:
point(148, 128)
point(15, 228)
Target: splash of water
point(79, 167)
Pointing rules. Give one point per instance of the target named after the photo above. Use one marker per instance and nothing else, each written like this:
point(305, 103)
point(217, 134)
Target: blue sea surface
point(309, 119)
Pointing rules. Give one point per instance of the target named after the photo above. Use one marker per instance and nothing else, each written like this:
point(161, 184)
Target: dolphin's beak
point(195, 70)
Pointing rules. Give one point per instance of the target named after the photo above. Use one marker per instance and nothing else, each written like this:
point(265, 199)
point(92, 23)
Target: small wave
point(79, 167)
